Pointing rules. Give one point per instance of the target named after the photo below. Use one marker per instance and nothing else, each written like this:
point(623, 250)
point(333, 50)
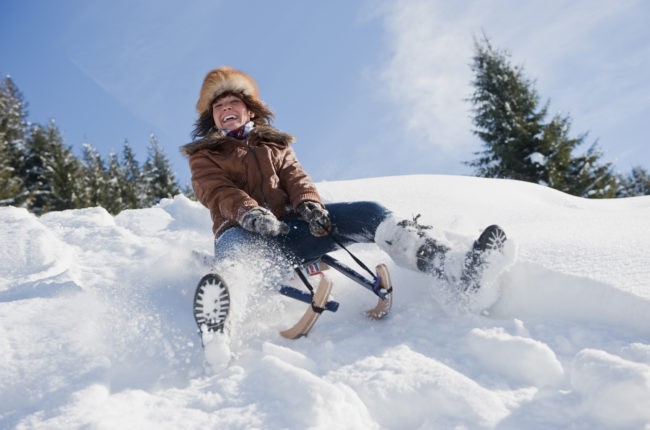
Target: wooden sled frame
point(318, 299)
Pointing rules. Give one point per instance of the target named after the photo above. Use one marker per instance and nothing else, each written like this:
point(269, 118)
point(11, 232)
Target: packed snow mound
point(96, 326)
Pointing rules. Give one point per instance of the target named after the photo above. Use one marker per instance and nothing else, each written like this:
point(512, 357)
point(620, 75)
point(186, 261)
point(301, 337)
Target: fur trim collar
point(259, 134)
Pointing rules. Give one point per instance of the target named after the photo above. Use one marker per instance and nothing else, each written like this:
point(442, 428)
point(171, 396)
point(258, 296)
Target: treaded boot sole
point(211, 303)
point(492, 239)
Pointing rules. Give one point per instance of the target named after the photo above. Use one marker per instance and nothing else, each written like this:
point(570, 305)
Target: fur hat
point(223, 79)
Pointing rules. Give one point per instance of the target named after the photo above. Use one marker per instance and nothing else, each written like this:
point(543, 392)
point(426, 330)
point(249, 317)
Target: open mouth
point(228, 118)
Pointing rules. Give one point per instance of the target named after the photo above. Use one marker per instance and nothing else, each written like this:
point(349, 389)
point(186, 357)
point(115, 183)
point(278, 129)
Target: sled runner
point(212, 299)
point(380, 285)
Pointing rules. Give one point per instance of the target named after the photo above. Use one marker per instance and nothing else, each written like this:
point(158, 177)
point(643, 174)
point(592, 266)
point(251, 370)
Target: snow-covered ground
point(96, 327)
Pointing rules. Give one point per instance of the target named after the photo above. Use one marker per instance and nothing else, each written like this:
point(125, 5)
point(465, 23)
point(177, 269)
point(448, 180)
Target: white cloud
point(427, 76)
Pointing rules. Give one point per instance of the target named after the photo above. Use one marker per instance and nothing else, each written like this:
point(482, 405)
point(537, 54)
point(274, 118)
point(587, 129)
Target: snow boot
point(489, 242)
point(412, 245)
point(211, 309)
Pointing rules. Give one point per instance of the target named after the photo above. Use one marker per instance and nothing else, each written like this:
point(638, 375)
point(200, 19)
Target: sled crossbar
point(305, 297)
point(317, 297)
point(373, 286)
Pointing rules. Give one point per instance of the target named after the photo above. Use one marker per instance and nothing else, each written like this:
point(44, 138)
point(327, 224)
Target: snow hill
point(96, 328)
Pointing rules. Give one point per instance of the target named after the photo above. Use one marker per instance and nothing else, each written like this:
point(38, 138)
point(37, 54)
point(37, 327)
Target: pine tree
point(518, 143)
point(10, 184)
point(588, 177)
point(508, 119)
point(95, 178)
point(158, 176)
point(636, 183)
point(13, 125)
point(64, 174)
point(33, 170)
point(115, 185)
point(124, 185)
point(134, 193)
point(52, 175)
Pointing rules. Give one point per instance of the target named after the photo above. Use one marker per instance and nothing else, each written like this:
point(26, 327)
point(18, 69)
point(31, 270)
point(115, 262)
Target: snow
point(538, 158)
point(96, 327)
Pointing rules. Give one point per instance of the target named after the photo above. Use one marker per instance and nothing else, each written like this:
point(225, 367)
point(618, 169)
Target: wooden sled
point(318, 298)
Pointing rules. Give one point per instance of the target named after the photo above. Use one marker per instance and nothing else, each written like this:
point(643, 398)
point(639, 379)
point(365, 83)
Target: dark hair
point(205, 124)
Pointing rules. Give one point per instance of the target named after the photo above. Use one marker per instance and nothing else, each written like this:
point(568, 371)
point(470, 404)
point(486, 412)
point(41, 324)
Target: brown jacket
point(231, 176)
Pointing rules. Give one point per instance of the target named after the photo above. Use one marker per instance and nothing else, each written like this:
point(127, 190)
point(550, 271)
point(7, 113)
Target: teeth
point(229, 117)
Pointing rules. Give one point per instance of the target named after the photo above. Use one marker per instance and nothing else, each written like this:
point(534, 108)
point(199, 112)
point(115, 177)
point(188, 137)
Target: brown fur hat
point(225, 79)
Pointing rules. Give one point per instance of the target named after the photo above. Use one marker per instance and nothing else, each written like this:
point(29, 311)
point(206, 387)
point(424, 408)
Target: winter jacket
point(231, 176)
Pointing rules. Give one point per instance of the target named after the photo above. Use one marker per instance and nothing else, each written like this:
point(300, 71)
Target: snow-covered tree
point(95, 177)
point(37, 153)
point(134, 193)
point(158, 175)
point(13, 113)
point(125, 186)
point(52, 175)
point(10, 183)
point(518, 142)
point(115, 185)
point(64, 174)
point(636, 183)
point(507, 118)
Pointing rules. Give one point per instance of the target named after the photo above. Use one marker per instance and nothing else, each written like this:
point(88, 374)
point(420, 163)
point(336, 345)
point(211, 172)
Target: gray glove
point(262, 221)
point(317, 217)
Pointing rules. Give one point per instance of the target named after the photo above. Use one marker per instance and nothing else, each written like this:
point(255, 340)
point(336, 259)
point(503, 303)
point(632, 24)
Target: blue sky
point(369, 88)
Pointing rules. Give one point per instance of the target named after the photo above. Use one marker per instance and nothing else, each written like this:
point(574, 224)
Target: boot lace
point(414, 224)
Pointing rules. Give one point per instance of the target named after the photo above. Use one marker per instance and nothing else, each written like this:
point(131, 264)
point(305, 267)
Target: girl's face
point(230, 113)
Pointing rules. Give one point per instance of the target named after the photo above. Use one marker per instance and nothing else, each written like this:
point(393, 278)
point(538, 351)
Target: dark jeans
point(354, 222)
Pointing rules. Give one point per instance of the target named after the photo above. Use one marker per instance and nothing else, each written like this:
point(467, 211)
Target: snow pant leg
point(232, 241)
point(247, 251)
point(354, 222)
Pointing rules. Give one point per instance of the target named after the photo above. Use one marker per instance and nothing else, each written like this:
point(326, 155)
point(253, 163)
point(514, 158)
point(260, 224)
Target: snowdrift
point(96, 328)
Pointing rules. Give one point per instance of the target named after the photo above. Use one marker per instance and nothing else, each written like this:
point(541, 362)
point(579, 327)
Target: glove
point(317, 217)
point(262, 221)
